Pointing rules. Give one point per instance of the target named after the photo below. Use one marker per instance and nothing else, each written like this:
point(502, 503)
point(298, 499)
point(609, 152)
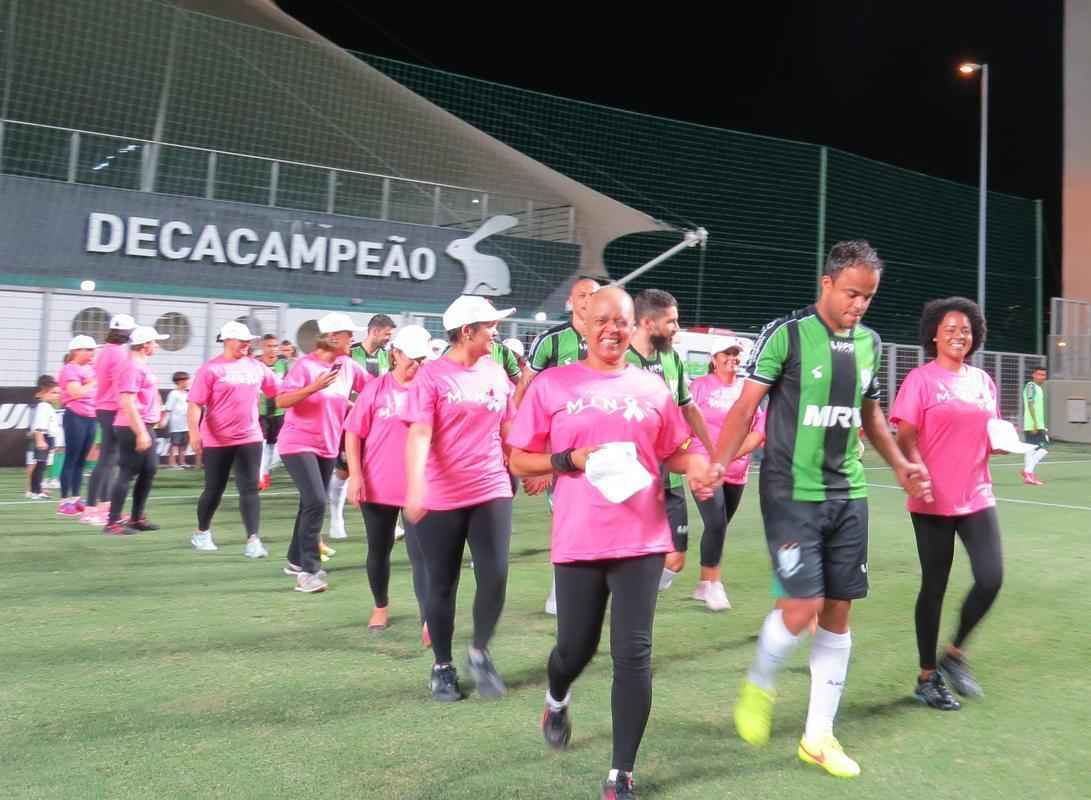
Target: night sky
point(878, 79)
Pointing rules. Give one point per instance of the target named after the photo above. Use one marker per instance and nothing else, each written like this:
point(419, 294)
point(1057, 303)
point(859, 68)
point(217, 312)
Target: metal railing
point(98, 159)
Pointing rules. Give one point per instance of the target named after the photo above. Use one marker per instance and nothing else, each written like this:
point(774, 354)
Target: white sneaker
point(52, 483)
point(399, 532)
point(716, 597)
point(254, 548)
point(338, 532)
point(310, 584)
point(551, 601)
point(202, 542)
point(701, 592)
point(292, 570)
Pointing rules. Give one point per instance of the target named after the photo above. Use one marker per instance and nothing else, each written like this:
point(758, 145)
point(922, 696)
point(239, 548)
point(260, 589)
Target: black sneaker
point(933, 692)
point(444, 684)
point(556, 728)
point(621, 789)
point(142, 525)
point(957, 672)
point(486, 678)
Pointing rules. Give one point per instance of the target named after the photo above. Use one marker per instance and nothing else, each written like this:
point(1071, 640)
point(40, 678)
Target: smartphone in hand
point(336, 367)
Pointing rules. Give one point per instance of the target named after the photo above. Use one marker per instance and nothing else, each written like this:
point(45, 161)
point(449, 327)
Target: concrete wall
point(1058, 395)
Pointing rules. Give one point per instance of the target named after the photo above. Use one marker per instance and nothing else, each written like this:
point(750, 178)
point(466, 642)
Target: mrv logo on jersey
point(831, 416)
point(842, 347)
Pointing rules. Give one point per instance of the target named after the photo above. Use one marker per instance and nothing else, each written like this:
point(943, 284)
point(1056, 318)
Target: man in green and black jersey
point(650, 350)
point(371, 353)
point(271, 417)
point(819, 367)
point(1034, 424)
point(562, 344)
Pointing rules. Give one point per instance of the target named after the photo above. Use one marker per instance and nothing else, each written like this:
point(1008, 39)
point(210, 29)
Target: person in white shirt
point(174, 419)
point(44, 430)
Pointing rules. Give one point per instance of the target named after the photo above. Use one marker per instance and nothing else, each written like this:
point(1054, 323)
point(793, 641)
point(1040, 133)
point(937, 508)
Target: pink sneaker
point(92, 516)
point(67, 510)
point(80, 506)
point(1030, 479)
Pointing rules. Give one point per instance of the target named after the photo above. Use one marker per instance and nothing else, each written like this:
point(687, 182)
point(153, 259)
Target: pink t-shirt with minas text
point(576, 406)
point(714, 400)
point(229, 390)
point(136, 378)
point(951, 412)
point(376, 418)
point(314, 424)
point(465, 407)
point(82, 374)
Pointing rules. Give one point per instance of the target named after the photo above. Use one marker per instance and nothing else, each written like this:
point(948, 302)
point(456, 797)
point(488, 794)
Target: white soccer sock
point(266, 457)
point(338, 493)
point(274, 457)
point(829, 665)
point(775, 644)
point(1028, 460)
point(1038, 455)
point(558, 705)
point(666, 579)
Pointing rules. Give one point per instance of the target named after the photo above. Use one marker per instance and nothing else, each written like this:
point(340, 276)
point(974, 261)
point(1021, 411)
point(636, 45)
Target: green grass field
point(136, 668)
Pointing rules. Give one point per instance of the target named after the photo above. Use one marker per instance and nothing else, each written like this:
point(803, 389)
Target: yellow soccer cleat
point(754, 714)
point(828, 755)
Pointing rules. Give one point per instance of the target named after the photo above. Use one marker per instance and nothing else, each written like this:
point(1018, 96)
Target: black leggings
point(980, 534)
point(311, 475)
point(443, 537)
point(379, 523)
point(131, 464)
point(79, 436)
point(583, 589)
point(102, 477)
point(716, 513)
point(218, 461)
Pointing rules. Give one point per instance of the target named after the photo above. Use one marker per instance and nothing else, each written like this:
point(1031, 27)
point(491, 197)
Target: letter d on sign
point(105, 233)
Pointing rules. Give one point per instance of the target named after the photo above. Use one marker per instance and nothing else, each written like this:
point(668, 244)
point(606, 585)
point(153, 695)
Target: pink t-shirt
point(951, 413)
point(714, 399)
point(576, 406)
point(314, 424)
point(83, 375)
point(376, 418)
point(109, 360)
point(229, 390)
point(135, 377)
point(465, 407)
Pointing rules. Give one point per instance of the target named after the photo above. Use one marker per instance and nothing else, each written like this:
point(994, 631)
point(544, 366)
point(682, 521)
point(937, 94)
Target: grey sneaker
point(310, 584)
point(488, 681)
point(444, 684)
point(958, 674)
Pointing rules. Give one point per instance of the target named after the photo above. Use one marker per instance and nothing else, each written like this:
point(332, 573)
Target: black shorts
point(818, 549)
point(678, 517)
point(179, 438)
point(1039, 438)
point(270, 427)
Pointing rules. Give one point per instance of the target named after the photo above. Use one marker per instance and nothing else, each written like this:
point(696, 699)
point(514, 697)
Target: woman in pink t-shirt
point(77, 382)
point(375, 436)
point(139, 411)
point(714, 394)
point(227, 389)
point(107, 362)
point(458, 409)
point(942, 412)
point(316, 392)
point(605, 550)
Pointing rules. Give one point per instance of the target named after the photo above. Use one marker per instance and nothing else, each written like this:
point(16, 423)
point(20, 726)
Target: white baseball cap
point(468, 309)
point(516, 346)
point(413, 340)
point(122, 322)
point(235, 330)
point(142, 334)
point(82, 342)
point(437, 346)
point(336, 321)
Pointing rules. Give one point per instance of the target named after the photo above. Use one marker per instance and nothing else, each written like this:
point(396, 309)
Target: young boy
point(43, 433)
point(174, 419)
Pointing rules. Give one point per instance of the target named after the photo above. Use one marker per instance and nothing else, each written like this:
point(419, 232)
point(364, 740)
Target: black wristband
point(562, 461)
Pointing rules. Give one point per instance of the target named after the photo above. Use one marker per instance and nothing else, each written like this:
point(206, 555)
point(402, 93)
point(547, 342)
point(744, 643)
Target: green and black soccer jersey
point(670, 368)
point(506, 358)
point(560, 345)
point(1034, 407)
point(267, 406)
point(818, 382)
point(376, 364)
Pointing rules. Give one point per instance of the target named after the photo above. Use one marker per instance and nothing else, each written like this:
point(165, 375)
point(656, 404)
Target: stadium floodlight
point(970, 68)
point(87, 286)
point(541, 316)
point(698, 236)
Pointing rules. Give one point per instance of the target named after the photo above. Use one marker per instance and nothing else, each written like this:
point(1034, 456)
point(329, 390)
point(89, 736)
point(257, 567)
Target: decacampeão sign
point(198, 246)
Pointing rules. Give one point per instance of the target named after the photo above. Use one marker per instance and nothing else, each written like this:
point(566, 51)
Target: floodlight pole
point(690, 239)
